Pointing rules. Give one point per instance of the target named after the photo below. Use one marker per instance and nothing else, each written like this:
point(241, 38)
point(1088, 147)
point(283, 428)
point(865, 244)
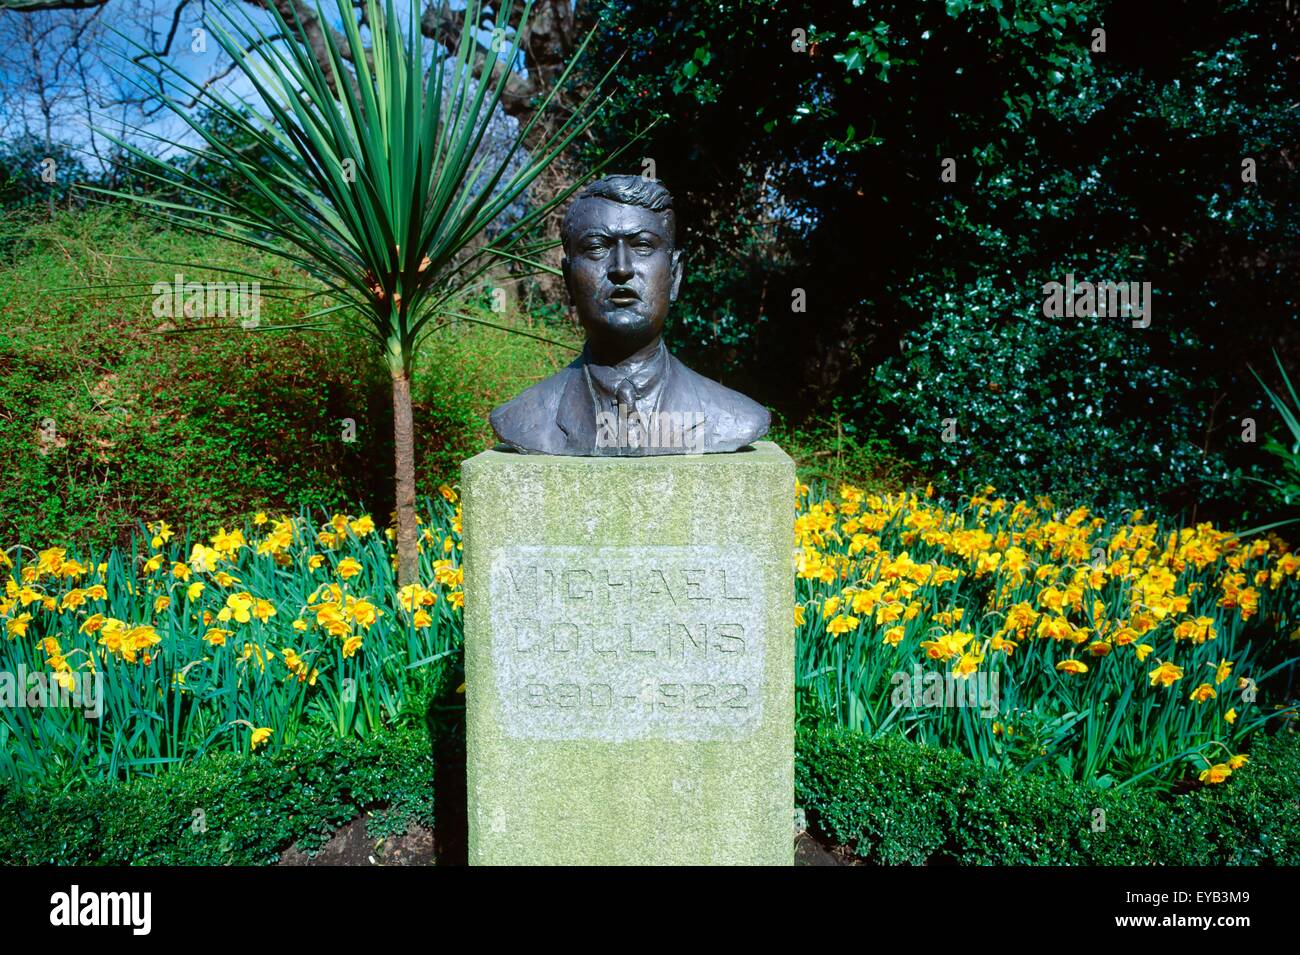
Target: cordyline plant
point(1286, 487)
point(371, 178)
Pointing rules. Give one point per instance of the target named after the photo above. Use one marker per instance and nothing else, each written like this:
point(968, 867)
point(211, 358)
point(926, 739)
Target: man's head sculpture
point(625, 394)
point(621, 264)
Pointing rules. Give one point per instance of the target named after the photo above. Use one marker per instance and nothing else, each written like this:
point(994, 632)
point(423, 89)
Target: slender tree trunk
point(408, 550)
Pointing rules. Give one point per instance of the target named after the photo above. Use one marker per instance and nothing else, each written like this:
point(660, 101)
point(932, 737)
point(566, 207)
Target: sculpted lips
point(624, 295)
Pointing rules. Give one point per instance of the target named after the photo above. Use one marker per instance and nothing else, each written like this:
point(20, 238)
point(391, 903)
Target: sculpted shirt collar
point(647, 377)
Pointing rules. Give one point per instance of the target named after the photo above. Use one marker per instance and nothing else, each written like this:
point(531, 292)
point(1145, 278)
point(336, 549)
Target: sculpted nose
point(620, 265)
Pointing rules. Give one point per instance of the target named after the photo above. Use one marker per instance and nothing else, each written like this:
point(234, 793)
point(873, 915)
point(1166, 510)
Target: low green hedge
point(892, 801)
point(249, 807)
point(896, 802)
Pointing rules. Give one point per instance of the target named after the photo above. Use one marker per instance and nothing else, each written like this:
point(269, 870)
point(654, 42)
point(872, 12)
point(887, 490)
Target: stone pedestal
point(629, 658)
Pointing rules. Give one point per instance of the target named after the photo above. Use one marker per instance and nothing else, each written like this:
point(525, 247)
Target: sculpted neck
point(614, 353)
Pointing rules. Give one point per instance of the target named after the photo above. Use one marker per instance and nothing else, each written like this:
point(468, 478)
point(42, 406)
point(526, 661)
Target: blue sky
point(79, 102)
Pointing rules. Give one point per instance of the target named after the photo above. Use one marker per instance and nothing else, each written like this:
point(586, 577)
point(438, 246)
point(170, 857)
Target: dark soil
point(415, 846)
point(809, 851)
point(351, 846)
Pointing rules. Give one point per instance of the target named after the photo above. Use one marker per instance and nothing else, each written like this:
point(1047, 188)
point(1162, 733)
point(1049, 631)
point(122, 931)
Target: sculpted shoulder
point(527, 421)
point(531, 422)
point(734, 420)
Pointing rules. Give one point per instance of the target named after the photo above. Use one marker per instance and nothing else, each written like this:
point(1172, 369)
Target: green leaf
point(853, 60)
point(393, 239)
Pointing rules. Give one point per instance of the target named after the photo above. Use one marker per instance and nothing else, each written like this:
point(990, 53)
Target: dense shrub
point(891, 801)
point(897, 802)
point(1084, 409)
point(822, 233)
point(225, 809)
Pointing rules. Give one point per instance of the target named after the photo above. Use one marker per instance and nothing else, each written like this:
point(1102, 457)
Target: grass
point(836, 452)
point(473, 368)
point(106, 423)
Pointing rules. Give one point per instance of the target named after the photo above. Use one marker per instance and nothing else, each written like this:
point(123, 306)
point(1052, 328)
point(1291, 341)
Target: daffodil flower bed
point(230, 644)
point(1112, 652)
point(1117, 653)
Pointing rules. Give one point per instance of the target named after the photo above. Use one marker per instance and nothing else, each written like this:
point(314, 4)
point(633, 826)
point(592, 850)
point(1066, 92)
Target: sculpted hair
point(630, 191)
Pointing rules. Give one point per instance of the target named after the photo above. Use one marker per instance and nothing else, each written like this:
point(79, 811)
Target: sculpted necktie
point(627, 401)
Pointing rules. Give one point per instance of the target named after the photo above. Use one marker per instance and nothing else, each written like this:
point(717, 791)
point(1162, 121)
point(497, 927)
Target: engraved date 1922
point(660, 696)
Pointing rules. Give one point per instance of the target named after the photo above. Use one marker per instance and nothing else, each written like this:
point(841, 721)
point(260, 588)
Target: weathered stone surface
point(629, 658)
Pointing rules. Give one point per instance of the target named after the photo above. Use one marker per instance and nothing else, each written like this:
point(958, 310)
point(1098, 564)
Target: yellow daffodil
point(1166, 674)
point(842, 624)
point(1216, 773)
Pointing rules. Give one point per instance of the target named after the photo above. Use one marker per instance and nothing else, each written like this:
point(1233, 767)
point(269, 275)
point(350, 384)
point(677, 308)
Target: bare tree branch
point(171, 33)
point(217, 76)
point(26, 6)
point(314, 30)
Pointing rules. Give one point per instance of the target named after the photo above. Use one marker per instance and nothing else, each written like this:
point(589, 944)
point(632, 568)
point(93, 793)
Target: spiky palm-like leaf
point(371, 179)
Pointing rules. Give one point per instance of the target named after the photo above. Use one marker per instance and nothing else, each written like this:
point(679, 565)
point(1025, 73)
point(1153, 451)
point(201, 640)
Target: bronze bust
point(625, 394)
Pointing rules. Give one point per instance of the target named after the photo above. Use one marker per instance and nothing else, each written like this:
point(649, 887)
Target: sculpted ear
point(677, 276)
point(568, 276)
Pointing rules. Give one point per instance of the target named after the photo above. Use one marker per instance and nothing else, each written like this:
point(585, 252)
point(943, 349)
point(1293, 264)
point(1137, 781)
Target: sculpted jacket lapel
point(576, 416)
point(681, 395)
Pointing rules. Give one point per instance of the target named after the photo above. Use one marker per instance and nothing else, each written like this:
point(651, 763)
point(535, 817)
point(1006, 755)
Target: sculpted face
point(622, 274)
